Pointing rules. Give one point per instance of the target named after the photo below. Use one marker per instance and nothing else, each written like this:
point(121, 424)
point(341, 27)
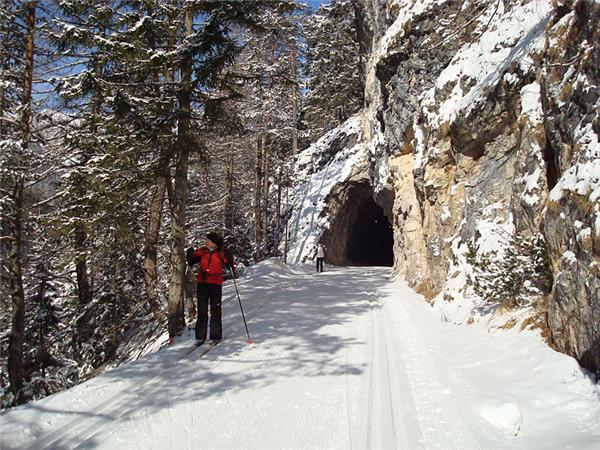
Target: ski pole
point(249, 341)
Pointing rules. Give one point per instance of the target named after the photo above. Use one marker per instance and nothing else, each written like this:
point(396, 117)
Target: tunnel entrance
point(371, 240)
point(361, 234)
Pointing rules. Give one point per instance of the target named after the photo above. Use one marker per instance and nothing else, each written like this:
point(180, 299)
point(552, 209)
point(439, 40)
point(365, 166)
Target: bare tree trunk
point(4, 244)
point(258, 197)
point(294, 97)
point(42, 353)
point(17, 335)
point(179, 206)
point(84, 290)
point(265, 187)
point(150, 248)
point(3, 67)
point(152, 232)
point(268, 143)
point(287, 232)
point(190, 288)
point(278, 211)
point(228, 216)
point(284, 178)
point(83, 285)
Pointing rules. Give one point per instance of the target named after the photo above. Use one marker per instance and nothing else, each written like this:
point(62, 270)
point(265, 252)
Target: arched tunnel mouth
point(361, 233)
point(370, 238)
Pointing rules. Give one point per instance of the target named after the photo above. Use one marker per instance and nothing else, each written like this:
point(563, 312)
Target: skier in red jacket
point(213, 260)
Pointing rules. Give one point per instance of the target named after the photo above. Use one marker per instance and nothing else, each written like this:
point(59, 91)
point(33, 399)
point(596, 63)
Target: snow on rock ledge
point(332, 160)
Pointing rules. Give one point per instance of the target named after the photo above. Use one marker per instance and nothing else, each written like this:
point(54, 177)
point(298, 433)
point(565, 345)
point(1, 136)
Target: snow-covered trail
point(344, 359)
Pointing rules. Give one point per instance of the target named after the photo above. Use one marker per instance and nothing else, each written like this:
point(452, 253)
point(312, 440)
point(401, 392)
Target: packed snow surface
point(350, 358)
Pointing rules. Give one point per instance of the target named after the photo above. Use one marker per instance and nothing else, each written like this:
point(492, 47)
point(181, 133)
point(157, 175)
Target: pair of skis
point(205, 348)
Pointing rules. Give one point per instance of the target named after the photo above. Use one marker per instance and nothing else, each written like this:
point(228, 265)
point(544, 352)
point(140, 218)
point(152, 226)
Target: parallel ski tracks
point(412, 402)
point(391, 412)
point(439, 403)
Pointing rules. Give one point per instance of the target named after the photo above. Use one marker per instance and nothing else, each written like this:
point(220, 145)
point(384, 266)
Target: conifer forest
point(128, 130)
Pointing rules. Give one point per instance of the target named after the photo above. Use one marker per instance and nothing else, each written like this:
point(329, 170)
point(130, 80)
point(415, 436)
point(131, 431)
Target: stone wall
point(571, 81)
point(487, 169)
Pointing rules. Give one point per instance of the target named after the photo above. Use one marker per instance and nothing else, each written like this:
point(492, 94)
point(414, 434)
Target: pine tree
point(205, 53)
point(47, 369)
point(334, 65)
point(100, 183)
point(145, 87)
point(18, 26)
point(510, 278)
point(194, 43)
point(270, 116)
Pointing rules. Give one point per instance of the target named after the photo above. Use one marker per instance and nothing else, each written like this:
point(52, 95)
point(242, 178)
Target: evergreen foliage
point(334, 67)
point(47, 367)
point(513, 277)
point(94, 165)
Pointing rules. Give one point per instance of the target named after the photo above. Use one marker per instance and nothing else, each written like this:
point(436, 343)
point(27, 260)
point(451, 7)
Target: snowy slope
point(317, 173)
point(347, 359)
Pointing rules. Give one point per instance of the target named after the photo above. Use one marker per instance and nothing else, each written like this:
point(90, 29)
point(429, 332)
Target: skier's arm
point(229, 261)
point(192, 256)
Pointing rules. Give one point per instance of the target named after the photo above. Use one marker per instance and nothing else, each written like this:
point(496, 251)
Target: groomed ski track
point(345, 359)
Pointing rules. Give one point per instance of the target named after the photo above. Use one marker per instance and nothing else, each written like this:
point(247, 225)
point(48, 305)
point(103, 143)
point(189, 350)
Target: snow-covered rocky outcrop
point(479, 139)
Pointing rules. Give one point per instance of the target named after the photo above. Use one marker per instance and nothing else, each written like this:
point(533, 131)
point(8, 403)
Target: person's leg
point(317, 265)
point(202, 319)
point(216, 327)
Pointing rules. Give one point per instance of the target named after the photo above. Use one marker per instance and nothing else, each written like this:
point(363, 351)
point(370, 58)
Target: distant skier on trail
point(320, 257)
point(213, 261)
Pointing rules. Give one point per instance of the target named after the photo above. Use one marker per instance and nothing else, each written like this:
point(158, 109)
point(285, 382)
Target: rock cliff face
point(479, 139)
point(571, 219)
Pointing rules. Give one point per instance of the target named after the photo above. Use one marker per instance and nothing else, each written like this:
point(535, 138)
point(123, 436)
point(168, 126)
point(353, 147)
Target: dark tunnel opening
point(370, 236)
point(361, 233)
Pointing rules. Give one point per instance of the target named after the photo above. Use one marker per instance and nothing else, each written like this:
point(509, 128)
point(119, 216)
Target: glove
point(189, 253)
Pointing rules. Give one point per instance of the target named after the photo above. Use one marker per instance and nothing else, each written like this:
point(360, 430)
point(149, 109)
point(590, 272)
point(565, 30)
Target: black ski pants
point(320, 264)
point(209, 293)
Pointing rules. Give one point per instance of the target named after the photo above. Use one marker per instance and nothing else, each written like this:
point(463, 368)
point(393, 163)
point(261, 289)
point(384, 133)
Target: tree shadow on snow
point(293, 319)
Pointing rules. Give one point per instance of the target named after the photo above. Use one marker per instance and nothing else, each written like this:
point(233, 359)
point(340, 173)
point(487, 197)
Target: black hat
point(216, 238)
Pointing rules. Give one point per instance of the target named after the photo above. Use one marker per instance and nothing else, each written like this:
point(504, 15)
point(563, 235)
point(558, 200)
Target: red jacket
point(211, 265)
